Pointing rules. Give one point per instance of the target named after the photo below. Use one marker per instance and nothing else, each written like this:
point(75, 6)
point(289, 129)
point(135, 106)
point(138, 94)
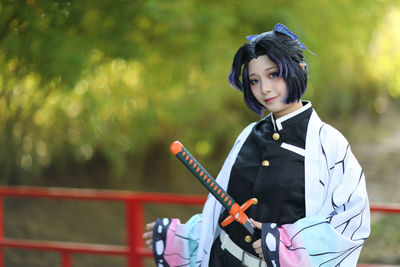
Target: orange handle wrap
point(202, 175)
point(236, 212)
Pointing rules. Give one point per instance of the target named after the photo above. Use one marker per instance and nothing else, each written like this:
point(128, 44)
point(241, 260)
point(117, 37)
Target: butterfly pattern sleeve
point(175, 244)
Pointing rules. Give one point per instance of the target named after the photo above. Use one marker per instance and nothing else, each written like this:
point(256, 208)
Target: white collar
point(278, 122)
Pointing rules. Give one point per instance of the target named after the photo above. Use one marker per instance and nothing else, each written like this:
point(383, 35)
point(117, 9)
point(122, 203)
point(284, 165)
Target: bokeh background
point(93, 92)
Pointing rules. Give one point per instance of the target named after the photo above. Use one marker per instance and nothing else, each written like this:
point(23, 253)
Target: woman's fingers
point(257, 244)
point(150, 226)
point(256, 224)
point(149, 243)
point(258, 248)
point(149, 233)
point(148, 236)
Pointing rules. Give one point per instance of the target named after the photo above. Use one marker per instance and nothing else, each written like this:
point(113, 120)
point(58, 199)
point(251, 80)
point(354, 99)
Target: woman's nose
point(265, 87)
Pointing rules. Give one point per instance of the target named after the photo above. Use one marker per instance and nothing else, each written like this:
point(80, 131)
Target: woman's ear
point(302, 66)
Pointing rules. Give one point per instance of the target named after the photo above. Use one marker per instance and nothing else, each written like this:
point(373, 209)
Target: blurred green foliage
point(110, 84)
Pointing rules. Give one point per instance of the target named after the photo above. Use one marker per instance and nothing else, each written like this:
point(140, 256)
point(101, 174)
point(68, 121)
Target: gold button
point(247, 238)
point(265, 163)
point(276, 136)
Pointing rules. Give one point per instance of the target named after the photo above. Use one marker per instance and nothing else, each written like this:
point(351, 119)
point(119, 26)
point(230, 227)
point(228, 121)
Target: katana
point(236, 212)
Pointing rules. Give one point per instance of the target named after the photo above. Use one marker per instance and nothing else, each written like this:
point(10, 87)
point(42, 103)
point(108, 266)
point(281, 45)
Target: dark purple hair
point(284, 52)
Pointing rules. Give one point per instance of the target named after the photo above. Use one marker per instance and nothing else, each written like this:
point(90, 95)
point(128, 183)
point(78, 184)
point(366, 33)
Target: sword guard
point(237, 213)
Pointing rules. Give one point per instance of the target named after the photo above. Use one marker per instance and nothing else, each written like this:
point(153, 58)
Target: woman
point(312, 208)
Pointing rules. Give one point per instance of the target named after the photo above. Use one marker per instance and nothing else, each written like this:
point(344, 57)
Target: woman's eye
point(252, 82)
point(274, 75)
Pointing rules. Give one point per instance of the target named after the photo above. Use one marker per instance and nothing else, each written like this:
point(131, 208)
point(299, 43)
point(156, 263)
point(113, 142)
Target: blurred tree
point(114, 82)
point(46, 46)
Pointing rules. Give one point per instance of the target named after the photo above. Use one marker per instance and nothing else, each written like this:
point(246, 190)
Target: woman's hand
point(257, 244)
point(148, 236)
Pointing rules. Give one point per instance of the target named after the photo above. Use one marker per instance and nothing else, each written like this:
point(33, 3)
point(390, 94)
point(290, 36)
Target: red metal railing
point(134, 249)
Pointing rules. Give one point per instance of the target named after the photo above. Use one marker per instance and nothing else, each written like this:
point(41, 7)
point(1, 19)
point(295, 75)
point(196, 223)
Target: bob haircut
point(285, 52)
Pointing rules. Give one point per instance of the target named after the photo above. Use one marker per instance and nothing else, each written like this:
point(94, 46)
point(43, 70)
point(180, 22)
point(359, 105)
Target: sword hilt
point(240, 216)
point(236, 212)
point(203, 176)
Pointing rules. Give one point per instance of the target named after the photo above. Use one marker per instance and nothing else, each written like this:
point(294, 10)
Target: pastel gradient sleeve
point(176, 244)
point(308, 242)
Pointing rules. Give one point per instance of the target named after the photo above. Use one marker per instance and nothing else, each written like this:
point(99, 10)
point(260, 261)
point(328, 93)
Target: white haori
point(335, 191)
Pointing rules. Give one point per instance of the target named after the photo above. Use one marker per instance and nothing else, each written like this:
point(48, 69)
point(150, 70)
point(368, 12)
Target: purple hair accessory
point(281, 29)
point(251, 38)
point(284, 30)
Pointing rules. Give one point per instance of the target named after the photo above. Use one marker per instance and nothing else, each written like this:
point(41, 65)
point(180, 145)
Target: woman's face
point(268, 88)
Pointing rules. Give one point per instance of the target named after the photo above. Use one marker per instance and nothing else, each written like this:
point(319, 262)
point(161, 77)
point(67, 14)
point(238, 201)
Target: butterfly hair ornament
point(281, 29)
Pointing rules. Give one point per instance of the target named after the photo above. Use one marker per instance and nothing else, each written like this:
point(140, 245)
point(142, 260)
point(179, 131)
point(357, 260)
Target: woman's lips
point(269, 100)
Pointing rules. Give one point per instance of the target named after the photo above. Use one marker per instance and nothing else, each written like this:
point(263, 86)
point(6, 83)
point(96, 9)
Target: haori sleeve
point(176, 244)
point(335, 235)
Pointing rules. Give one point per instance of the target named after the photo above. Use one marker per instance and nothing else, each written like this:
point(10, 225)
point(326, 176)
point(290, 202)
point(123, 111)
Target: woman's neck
point(291, 108)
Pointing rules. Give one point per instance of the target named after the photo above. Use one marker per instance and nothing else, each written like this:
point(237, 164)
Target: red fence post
point(135, 221)
point(66, 259)
point(1, 231)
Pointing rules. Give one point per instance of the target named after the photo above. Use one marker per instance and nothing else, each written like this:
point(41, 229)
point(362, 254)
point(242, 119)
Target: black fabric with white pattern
point(159, 238)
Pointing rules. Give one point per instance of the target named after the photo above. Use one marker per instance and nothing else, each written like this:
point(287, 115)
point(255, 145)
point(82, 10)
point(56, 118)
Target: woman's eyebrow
point(273, 67)
point(267, 69)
